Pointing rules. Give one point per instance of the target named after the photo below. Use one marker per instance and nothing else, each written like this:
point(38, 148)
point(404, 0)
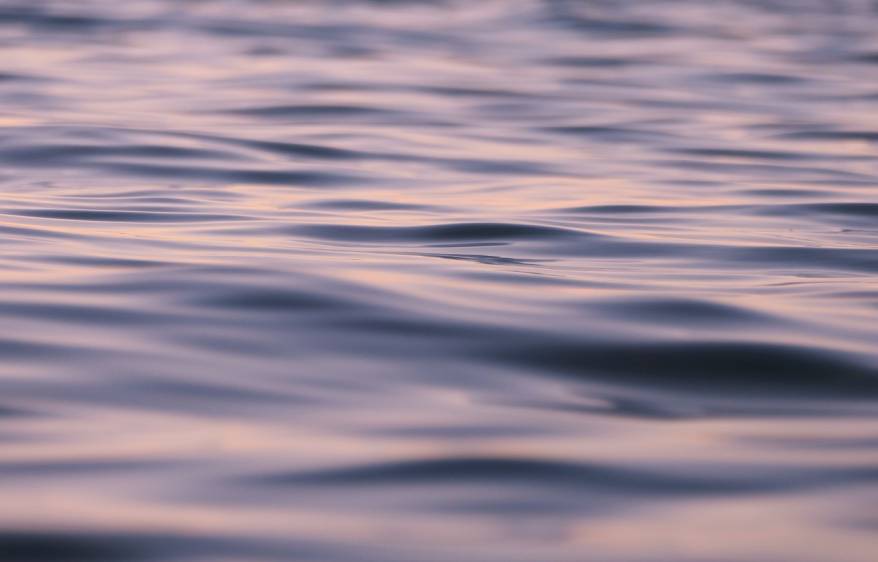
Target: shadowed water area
point(439, 281)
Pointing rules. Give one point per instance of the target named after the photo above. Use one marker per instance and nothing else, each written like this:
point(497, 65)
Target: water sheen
point(434, 281)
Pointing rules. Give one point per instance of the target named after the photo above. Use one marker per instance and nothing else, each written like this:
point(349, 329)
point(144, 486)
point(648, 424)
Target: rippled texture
point(396, 281)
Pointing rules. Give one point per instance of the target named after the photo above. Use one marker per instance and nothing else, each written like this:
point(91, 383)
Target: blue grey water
point(435, 281)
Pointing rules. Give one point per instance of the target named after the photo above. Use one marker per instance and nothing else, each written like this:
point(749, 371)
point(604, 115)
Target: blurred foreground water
point(398, 281)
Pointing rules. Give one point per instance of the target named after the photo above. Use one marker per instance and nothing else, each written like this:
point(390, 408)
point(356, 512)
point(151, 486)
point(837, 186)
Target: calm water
point(389, 281)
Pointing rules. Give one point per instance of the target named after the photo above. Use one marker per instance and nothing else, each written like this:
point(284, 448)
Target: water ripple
point(395, 280)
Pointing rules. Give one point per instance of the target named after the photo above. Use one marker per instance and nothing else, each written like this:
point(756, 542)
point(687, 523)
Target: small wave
point(437, 233)
point(680, 311)
point(313, 111)
point(575, 477)
point(122, 216)
point(722, 368)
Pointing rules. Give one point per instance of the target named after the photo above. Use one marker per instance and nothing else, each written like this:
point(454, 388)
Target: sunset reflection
point(434, 281)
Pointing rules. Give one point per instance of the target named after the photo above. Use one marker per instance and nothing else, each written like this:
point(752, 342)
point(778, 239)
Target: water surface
point(396, 281)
